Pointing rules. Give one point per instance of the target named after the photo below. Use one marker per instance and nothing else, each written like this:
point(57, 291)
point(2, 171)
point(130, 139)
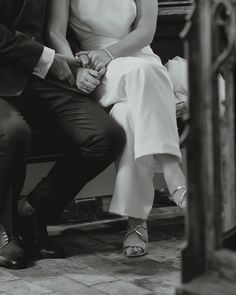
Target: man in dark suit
point(32, 74)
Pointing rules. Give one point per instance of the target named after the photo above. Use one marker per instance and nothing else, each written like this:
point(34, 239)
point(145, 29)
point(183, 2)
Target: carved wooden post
point(200, 167)
point(211, 43)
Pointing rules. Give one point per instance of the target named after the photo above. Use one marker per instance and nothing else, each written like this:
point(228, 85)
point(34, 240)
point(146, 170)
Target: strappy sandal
point(179, 199)
point(142, 248)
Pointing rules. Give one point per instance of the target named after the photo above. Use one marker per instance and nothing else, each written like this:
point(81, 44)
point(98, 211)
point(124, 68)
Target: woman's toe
point(131, 251)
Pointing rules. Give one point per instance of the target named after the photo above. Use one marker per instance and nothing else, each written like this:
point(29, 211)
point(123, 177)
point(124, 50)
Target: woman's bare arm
point(58, 16)
point(57, 24)
point(143, 32)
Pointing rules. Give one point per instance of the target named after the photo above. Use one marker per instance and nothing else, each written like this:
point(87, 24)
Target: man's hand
point(61, 68)
point(87, 80)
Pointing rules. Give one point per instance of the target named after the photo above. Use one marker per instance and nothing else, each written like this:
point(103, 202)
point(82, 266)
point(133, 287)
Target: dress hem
point(145, 155)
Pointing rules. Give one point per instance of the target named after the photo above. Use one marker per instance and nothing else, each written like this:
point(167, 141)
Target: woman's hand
point(84, 60)
point(97, 58)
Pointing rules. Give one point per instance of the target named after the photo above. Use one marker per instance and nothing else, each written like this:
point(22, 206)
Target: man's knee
point(109, 141)
point(116, 138)
point(14, 131)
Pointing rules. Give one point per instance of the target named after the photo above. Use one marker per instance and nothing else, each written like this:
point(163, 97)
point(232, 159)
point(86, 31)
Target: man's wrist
point(44, 62)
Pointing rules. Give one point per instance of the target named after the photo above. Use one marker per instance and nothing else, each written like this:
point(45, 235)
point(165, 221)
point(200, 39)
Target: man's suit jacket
point(21, 30)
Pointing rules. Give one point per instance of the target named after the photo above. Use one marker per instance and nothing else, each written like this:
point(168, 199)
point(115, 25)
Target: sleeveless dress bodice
point(100, 23)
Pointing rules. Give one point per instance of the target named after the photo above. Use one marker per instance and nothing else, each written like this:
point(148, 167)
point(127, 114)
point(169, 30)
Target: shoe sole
point(5, 264)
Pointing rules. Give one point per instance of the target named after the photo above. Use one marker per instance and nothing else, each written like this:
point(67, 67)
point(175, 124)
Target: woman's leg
point(134, 191)
point(156, 140)
point(175, 179)
point(144, 83)
point(153, 142)
point(152, 102)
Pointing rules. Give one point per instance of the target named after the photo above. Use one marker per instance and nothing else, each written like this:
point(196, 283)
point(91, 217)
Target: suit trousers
point(90, 138)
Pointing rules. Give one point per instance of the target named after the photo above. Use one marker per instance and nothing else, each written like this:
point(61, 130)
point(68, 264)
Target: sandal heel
point(180, 200)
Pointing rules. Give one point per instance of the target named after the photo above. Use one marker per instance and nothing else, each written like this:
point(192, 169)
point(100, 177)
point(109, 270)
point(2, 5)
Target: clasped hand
point(94, 67)
point(87, 78)
point(96, 59)
point(63, 66)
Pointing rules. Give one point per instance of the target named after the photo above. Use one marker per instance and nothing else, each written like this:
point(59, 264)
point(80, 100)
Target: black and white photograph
point(117, 147)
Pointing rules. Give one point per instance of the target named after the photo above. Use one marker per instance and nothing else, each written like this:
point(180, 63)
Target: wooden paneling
point(208, 261)
point(171, 19)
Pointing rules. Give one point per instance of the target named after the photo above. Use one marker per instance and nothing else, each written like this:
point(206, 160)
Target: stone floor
point(95, 266)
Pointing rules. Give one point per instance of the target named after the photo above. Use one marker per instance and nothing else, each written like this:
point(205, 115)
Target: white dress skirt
point(144, 103)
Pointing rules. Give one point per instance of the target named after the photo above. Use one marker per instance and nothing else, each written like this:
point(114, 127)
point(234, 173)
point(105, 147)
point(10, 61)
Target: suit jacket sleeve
point(18, 49)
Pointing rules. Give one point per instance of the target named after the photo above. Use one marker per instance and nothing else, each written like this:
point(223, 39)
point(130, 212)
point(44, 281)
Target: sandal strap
point(136, 230)
point(181, 187)
point(182, 197)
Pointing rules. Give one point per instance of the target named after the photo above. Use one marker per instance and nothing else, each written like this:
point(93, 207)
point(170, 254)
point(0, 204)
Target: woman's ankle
point(136, 221)
point(179, 197)
point(174, 177)
point(171, 169)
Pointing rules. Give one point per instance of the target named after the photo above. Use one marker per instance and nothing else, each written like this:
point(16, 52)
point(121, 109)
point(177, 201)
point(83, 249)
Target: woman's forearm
point(143, 31)
point(58, 15)
point(60, 44)
point(135, 41)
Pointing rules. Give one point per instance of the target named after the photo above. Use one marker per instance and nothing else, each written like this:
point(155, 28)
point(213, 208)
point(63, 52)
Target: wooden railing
point(209, 259)
point(171, 19)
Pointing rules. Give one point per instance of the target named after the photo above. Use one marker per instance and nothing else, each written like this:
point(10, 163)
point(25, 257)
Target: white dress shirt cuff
point(44, 62)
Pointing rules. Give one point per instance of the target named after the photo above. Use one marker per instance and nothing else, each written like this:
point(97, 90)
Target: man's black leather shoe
point(45, 248)
point(12, 254)
point(36, 240)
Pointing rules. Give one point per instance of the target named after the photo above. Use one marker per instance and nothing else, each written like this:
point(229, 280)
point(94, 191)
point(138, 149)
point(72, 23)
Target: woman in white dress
point(116, 34)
